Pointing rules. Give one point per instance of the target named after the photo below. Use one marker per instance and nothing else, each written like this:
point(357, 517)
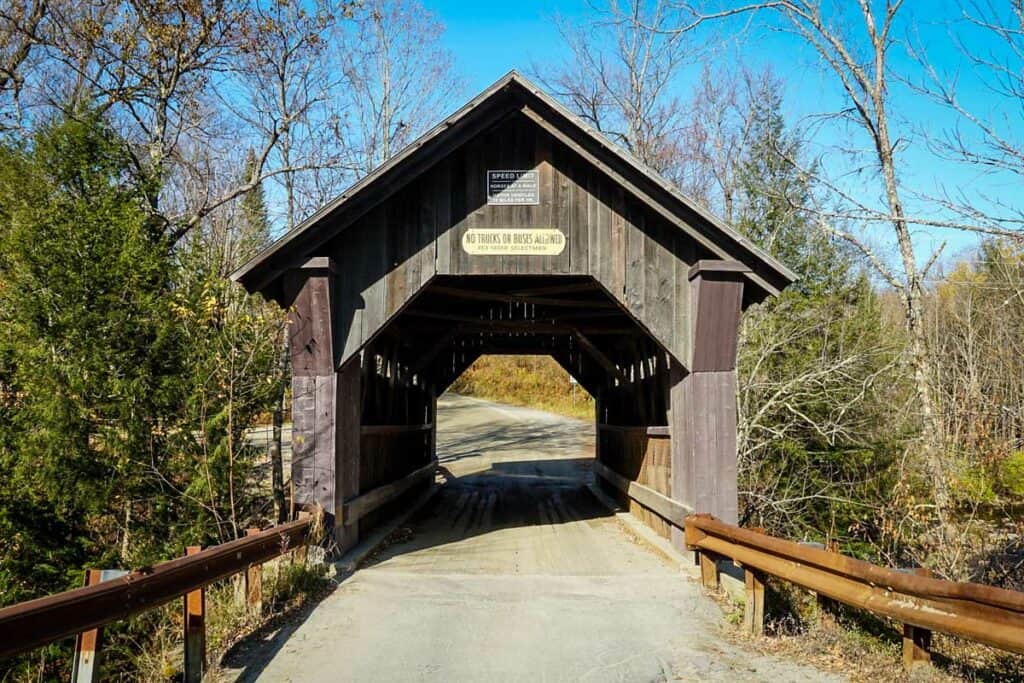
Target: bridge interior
point(454, 320)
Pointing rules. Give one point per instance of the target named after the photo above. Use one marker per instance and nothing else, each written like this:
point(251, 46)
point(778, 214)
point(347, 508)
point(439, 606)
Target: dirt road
point(514, 572)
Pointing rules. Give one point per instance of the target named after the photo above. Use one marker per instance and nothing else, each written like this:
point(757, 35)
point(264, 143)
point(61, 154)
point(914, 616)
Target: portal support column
point(703, 400)
point(326, 403)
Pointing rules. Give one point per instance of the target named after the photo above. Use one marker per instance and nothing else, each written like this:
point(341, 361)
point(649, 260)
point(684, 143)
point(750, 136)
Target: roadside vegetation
point(149, 149)
point(532, 381)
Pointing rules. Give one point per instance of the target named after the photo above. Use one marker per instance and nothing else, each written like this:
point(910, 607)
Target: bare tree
point(171, 76)
point(399, 78)
point(20, 34)
point(854, 47)
point(986, 134)
point(620, 75)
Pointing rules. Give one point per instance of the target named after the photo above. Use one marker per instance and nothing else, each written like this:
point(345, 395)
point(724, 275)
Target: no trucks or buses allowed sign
point(513, 241)
point(513, 187)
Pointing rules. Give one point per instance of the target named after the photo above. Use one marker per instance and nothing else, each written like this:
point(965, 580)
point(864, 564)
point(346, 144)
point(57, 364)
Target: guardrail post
point(195, 630)
point(254, 582)
point(85, 668)
point(753, 606)
point(300, 553)
point(708, 570)
point(917, 641)
point(692, 536)
point(826, 604)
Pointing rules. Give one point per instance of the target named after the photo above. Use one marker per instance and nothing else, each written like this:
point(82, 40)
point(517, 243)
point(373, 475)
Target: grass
point(860, 646)
point(531, 381)
point(288, 583)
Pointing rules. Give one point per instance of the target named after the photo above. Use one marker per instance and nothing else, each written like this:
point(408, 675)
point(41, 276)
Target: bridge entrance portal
point(513, 228)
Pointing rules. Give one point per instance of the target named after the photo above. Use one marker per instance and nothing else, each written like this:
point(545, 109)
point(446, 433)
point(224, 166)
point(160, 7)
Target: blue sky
point(490, 38)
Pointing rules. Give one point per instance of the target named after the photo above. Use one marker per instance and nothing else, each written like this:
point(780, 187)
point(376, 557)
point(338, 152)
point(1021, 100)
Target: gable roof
point(514, 92)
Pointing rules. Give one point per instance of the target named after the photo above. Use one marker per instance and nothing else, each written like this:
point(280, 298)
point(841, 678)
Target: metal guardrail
point(34, 623)
point(984, 614)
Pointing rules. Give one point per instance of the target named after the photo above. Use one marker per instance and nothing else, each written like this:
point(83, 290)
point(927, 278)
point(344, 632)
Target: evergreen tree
point(89, 360)
point(812, 450)
point(256, 233)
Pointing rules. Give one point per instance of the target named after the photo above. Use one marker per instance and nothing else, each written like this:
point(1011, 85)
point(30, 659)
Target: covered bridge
point(513, 228)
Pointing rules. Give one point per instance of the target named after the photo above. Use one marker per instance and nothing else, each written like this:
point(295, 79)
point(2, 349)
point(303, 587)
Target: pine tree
point(89, 359)
point(256, 232)
point(810, 418)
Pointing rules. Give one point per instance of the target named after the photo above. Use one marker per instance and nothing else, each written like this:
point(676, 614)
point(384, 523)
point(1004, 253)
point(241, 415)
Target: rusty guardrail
point(34, 623)
point(984, 614)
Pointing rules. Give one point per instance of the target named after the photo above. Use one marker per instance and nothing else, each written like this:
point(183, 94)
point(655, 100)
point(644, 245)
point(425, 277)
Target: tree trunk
point(281, 511)
point(920, 359)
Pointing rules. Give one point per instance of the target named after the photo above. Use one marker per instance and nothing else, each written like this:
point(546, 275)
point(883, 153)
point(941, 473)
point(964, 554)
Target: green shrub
point(1011, 474)
point(974, 484)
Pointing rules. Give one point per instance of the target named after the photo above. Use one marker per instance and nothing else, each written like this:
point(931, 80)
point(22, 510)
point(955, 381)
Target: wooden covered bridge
point(512, 228)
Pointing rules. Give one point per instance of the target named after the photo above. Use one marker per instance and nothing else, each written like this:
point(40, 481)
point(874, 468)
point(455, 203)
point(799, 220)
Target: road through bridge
point(513, 571)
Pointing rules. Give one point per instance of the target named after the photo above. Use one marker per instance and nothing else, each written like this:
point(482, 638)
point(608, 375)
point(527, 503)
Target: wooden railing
point(34, 623)
point(980, 613)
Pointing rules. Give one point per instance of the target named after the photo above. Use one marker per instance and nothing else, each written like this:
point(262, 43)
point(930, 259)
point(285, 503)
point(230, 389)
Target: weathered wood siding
point(636, 255)
point(641, 458)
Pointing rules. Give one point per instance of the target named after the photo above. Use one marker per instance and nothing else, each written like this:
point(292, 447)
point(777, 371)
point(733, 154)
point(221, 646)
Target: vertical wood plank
point(917, 641)
point(579, 225)
point(443, 217)
point(349, 458)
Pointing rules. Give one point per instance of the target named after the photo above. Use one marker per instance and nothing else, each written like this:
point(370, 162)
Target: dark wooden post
point(827, 605)
point(195, 630)
point(326, 403)
point(350, 417)
point(85, 668)
point(703, 397)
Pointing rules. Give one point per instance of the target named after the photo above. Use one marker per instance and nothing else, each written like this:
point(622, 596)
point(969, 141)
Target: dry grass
point(860, 647)
point(287, 584)
point(531, 381)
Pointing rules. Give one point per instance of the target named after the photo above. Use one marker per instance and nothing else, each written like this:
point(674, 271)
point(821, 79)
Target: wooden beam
point(394, 429)
point(559, 289)
point(366, 503)
point(672, 511)
point(437, 347)
point(656, 431)
point(586, 315)
point(599, 356)
point(498, 297)
point(470, 324)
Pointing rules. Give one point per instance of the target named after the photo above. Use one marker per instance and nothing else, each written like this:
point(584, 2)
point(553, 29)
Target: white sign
point(513, 241)
point(513, 188)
